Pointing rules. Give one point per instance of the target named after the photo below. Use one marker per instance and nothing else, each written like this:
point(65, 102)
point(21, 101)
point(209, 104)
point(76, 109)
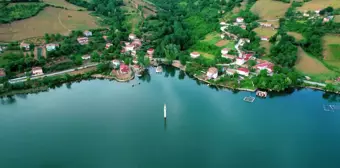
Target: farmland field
point(308, 64)
point(266, 45)
point(214, 38)
point(296, 35)
point(337, 18)
point(331, 49)
point(269, 9)
point(50, 20)
point(62, 3)
point(319, 4)
point(266, 32)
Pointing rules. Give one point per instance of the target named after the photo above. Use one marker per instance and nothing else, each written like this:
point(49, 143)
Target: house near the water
point(212, 73)
point(265, 65)
point(25, 46)
point(115, 63)
point(243, 71)
point(194, 54)
point(83, 40)
point(87, 33)
point(124, 69)
point(37, 71)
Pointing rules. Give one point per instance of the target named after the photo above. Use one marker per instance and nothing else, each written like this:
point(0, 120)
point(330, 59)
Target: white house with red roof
point(195, 54)
point(108, 45)
point(239, 20)
point(137, 43)
point(37, 71)
point(224, 51)
point(212, 73)
point(124, 69)
point(264, 38)
point(132, 36)
point(24, 45)
point(129, 47)
point(150, 51)
point(243, 71)
point(265, 66)
point(83, 40)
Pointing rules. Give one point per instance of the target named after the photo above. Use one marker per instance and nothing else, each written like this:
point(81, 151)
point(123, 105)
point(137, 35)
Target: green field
point(335, 50)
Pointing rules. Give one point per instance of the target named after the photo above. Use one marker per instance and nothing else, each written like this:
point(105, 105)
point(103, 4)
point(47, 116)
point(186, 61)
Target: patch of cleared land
point(331, 44)
point(214, 38)
point(270, 9)
point(319, 4)
point(309, 65)
point(62, 3)
point(50, 20)
point(206, 55)
point(132, 21)
point(296, 35)
point(266, 45)
point(265, 32)
point(337, 18)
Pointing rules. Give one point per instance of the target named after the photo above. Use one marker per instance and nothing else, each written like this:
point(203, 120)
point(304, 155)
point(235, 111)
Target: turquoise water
point(105, 124)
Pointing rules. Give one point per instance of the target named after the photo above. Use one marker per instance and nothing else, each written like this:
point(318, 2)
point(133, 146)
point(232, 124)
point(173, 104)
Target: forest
point(20, 11)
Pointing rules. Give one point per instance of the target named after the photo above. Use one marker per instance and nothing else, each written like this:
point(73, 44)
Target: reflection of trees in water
point(287, 92)
point(331, 97)
point(181, 75)
point(22, 96)
point(169, 71)
point(8, 100)
point(146, 77)
point(68, 85)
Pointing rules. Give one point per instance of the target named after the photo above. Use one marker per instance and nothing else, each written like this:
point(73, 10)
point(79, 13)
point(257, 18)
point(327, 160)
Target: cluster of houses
point(238, 64)
point(85, 39)
point(316, 14)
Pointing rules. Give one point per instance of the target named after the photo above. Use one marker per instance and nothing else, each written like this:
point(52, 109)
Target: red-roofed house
point(124, 69)
point(132, 36)
point(83, 40)
point(150, 51)
point(265, 65)
point(243, 27)
point(243, 71)
point(264, 38)
point(194, 54)
point(2, 72)
point(105, 38)
point(129, 47)
point(37, 71)
point(247, 56)
point(24, 45)
point(108, 45)
point(212, 73)
point(224, 51)
point(239, 20)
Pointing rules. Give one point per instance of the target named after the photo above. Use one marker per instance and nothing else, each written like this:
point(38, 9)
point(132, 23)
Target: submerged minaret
point(164, 111)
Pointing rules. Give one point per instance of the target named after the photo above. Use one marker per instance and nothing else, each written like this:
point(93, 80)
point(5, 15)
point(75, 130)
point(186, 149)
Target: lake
point(106, 124)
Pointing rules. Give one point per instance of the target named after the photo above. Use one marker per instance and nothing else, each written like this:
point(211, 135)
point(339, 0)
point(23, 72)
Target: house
point(108, 45)
point(132, 36)
point(137, 43)
point(243, 27)
point(223, 23)
point(194, 54)
point(222, 36)
point(240, 61)
point(265, 65)
point(25, 46)
point(129, 47)
point(2, 72)
point(317, 11)
point(124, 69)
point(228, 56)
point(135, 61)
point(264, 38)
point(243, 71)
point(51, 46)
point(86, 57)
point(224, 51)
point(328, 18)
point(37, 71)
point(239, 20)
point(306, 15)
point(133, 53)
point(150, 51)
point(212, 73)
point(87, 33)
point(115, 63)
point(223, 28)
point(230, 71)
point(247, 56)
point(83, 40)
point(265, 24)
point(105, 38)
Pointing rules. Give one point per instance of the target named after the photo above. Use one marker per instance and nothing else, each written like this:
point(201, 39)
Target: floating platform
point(261, 94)
point(249, 99)
point(331, 108)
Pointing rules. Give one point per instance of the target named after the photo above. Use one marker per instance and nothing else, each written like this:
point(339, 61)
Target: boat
point(164, 111)
point(261, 94)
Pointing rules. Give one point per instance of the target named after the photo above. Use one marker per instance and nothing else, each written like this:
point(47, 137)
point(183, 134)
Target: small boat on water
point(261, 94)
point(159, 69)
point(164, 111)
